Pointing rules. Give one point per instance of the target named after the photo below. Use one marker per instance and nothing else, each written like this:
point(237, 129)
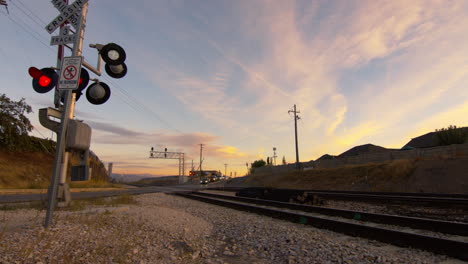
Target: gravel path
point(168, 229)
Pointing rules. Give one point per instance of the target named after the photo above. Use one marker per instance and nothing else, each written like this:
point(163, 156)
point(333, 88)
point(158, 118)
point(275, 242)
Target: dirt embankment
point(33, 169)
point(437, 175)
point(25, 169)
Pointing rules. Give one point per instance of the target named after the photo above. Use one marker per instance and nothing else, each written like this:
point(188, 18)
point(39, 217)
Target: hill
point(31, 165)
point(363, 149)
point(445, 175)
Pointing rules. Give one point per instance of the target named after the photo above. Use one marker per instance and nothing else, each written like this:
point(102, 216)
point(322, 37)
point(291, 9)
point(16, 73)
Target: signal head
point(113, 54)
point(98, 93)
point(116, 71)
point(84, 79)
point(44, 79)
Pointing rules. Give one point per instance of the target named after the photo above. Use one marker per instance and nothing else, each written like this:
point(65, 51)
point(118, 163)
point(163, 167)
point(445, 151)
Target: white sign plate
point(70, 73)
point(65, 13)
point(74, 19)
point(62, 39)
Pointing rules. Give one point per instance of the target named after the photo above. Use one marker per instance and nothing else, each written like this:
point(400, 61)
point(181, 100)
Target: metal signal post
point(61, 157)
point(73, 79)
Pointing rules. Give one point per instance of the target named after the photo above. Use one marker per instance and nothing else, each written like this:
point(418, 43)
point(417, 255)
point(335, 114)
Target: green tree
point(14, 125)
point(257, 164)
point(284, 161)
point(452, 135)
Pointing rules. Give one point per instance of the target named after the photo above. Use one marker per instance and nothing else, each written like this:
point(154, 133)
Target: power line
point(28, 15)
point(38, 18)
point(128, 99)
point(140, 105)
point(29, 32)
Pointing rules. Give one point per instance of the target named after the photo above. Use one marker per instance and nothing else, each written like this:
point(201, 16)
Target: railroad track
point(426, 199)
point(442, 237)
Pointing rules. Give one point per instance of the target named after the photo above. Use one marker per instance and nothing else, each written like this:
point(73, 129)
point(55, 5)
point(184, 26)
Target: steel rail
point(448, 227)
point(442, 195)
point(433, 201)
point(453, 248)
point(428, 199)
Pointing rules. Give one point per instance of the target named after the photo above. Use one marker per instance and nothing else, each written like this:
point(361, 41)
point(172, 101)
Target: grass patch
point(38, 205)
point(159, 181)
point(114, 201)
point(387, 176)
point(75, 205)
point(94, 184)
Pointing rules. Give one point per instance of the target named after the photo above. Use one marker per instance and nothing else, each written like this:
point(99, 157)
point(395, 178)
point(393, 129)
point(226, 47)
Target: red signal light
point(44, 81)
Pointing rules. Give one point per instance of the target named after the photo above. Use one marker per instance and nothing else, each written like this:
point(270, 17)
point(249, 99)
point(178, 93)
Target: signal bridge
point(171, 155)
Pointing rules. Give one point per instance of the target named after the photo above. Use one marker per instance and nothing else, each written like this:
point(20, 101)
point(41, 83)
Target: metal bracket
point(44, 114)
point(98, 69)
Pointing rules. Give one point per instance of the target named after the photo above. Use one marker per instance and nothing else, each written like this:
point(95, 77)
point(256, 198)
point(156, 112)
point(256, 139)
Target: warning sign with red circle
point(70, 73)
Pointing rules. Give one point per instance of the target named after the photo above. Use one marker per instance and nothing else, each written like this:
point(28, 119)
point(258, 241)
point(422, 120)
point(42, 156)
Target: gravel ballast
point(169, 229)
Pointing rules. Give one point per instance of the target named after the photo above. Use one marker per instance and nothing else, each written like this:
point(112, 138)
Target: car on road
point(204, 181)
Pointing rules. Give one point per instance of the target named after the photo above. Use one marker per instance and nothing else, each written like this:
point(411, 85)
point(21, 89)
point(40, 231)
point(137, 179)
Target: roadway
point(15, 198)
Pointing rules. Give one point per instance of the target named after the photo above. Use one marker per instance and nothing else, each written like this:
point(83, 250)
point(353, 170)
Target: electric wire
point(37, 17)
point(141, 107)
point(28, 31)
point(28, 15)
point(128, 99)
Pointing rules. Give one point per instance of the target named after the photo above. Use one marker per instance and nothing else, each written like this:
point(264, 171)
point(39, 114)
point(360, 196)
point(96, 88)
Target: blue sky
point(225, 74)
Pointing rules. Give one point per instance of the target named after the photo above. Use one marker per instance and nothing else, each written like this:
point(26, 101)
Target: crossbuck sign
point(67, 12)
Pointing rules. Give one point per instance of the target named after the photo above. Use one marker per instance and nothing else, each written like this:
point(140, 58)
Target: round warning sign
point(70, 73)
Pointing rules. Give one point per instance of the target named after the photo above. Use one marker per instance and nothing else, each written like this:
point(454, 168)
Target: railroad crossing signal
point(68, 77)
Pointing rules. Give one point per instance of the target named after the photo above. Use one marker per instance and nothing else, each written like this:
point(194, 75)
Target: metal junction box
point(80, 173)
point(78, 135)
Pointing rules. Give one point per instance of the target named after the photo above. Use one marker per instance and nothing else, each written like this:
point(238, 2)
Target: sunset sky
point(225, 73)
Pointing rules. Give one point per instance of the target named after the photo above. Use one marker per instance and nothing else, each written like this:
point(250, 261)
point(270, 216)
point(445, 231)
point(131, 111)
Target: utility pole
point(225, 169)
point(274, 155)
point(296, 117)
point(201, 153)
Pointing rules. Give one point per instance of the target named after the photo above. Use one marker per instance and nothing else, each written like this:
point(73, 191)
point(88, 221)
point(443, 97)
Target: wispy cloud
point(359, 71)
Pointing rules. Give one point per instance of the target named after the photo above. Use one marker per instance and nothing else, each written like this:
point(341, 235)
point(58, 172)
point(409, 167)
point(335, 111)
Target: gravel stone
point(164, 228)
